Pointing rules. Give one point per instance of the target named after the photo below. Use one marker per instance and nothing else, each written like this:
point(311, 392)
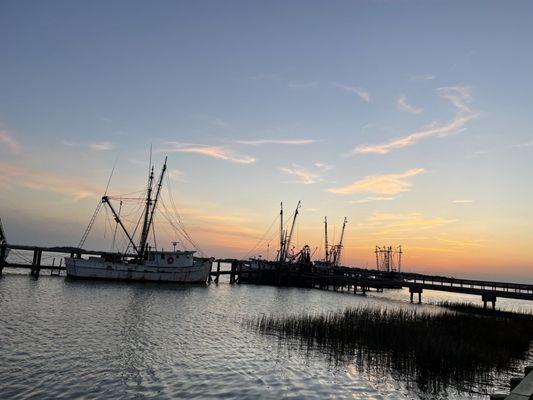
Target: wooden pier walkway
point(339, 278)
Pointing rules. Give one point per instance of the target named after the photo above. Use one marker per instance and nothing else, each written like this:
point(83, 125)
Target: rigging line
point(273, 237)
point(171, 197)
point(181, 231)
point(179, 218)
point(134, 231)
point(177, 229)
point(130, 193)
point(90, 225)
point(263, 237)
point(116, 228)
point(110, 176)
point(167, 231)
point(153, 233)
point(107, 222)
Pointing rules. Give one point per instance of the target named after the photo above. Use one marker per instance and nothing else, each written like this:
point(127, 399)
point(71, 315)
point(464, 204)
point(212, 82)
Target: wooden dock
point(356, 280)
point(364, 280)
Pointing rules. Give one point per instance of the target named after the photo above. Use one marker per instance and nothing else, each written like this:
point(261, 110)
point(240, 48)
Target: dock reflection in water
point(62, 339)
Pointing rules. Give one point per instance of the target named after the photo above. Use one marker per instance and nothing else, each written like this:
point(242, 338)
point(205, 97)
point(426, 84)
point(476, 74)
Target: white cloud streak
point(422, 77)
point(504, 148)
point(362, 93)
point(462, 201)
point(260, 142)
point(302, 174)
point(459, 96)
point(101, 146)
point(372, 199)
point(388, 184)
point(219, 152)
point(7, 139)
point(405, 106)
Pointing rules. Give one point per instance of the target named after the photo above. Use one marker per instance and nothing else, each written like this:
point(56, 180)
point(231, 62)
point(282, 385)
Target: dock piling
point(36, 263)
point(3, 252)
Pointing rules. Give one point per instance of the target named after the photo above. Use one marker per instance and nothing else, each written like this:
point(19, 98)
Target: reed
point(462, 347)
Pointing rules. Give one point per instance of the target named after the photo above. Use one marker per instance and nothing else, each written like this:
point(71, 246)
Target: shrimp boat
point(145, 264)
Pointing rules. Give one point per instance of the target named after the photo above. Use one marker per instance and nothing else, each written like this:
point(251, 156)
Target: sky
point(410, 118)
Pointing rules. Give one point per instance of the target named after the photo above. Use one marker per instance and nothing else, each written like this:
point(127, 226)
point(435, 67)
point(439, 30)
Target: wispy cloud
point(219, 152)
point(323, 166)
point(462, 201)
point(96, 146)
point(385, 224)
point(503, 148)
point(362, 93)
point(176, 175)
point(303, 85)
point(422, 77)
point(388, 184)
point(218, 122)
point(47, 181)
point(405, 106)
point(302, 175)
point(372, 199)
point(459, 96)
point(7, 139)
point(102, 146)
point(527, 144)
point(409, 220)
point(260, 142)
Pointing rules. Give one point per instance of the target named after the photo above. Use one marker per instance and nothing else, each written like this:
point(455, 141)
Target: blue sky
point(411, 118)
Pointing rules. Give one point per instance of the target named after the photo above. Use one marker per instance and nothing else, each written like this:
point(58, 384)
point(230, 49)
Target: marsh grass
point(462, 347)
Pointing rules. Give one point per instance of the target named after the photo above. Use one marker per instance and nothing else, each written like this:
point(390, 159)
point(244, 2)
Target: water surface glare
point(86, 339)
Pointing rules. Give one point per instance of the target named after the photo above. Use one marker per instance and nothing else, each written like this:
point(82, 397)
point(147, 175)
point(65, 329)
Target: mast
point(326, 248)
point(159, 185)
point(144, 233)
point(289, 238)
point(281, 238)
point(339, 246)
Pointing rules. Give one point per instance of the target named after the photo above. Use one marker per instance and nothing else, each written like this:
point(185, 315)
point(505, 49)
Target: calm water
point(74, 339)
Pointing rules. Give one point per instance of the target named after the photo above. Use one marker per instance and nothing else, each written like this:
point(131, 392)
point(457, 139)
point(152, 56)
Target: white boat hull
point(95, 269)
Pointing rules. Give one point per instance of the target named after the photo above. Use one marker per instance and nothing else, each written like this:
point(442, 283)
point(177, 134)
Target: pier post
point(418, 290)
point(488, 297)
point(232, 272)
point(36, 263)
point(218, 272)
point(3, 252)
point(209, 279)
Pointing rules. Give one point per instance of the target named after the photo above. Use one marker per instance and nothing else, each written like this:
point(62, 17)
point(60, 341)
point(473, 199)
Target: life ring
point(170, 260)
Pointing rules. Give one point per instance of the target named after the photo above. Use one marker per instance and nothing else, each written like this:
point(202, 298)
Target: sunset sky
point(411, 118)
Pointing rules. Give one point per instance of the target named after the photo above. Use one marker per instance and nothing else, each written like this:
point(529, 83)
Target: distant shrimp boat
point(145, 265)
